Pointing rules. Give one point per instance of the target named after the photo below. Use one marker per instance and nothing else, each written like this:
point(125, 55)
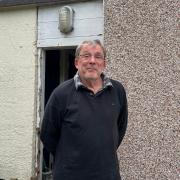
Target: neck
point(93, 84)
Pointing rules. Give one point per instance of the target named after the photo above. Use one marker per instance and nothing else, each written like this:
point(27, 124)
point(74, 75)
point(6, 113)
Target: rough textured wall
point(141, 38)
point(17, 76)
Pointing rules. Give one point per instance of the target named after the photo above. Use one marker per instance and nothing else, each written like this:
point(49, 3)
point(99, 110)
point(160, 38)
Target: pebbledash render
point(141, 39)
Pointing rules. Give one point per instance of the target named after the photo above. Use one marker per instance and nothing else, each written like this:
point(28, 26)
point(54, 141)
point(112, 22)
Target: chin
point(92, 77)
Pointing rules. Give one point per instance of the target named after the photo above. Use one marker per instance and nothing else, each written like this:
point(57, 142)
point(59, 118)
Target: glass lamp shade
point(66, 15)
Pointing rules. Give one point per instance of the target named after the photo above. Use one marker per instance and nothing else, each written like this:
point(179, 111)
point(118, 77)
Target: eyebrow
point(90, 53)
point(85, 52)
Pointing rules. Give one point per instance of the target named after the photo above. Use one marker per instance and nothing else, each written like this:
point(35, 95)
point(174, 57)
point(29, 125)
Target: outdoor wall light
point(66, 18)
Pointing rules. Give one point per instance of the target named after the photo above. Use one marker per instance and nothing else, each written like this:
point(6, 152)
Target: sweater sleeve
point(50, 128)
point(123, 116)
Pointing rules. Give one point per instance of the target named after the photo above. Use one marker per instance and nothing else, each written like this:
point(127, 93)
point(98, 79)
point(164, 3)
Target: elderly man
point(85, 120)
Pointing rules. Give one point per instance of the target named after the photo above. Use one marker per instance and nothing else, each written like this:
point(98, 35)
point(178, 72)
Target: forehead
point(91, 47)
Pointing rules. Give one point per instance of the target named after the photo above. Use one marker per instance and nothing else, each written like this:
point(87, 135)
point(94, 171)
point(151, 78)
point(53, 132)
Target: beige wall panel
point(17, 87)
point(142, 47)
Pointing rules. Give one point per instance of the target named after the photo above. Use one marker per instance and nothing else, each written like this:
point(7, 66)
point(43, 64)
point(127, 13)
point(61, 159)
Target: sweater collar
point(106, 81)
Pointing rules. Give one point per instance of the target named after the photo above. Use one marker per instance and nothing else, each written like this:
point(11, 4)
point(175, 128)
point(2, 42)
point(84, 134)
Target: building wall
point(141, 38)
point(17, 87)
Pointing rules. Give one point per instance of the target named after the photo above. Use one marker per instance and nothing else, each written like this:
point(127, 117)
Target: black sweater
point(83, 131)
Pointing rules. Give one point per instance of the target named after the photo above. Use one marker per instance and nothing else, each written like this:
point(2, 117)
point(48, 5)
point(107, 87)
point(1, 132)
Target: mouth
point(91, 69)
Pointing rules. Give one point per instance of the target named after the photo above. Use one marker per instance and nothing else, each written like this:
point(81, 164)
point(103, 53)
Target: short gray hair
point(90, 42)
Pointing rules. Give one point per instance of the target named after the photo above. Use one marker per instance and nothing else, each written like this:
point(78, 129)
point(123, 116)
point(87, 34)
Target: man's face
point(90, 63)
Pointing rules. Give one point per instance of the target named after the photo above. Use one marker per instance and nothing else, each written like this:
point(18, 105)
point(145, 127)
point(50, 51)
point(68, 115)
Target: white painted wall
point(17, 87)
point(88, 24)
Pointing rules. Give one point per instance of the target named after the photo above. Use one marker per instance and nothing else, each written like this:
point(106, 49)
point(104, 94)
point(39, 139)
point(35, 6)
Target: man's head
point(90, 59)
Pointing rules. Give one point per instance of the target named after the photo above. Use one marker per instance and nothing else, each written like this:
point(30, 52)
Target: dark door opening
point(59, 66)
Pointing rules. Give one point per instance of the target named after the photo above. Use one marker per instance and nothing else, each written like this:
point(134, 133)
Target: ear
point(104, 64)
point(76, 63)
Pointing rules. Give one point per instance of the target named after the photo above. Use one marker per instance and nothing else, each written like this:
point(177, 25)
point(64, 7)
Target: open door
point(59, 66)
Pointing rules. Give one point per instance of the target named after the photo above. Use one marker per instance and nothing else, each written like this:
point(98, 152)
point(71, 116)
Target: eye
point(86, 55)
point(98, 56)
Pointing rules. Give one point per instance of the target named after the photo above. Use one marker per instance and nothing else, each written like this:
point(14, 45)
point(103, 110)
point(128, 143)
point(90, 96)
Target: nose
point(92, 59)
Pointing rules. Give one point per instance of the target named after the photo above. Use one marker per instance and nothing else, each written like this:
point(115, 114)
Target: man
point(85, 120)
